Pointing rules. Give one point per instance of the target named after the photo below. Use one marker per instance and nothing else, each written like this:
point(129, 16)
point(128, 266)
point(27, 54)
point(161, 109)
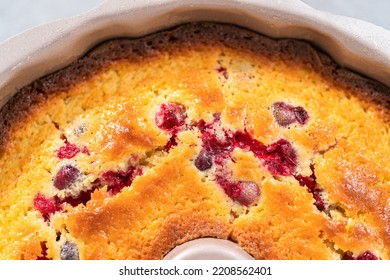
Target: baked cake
point(203, 130)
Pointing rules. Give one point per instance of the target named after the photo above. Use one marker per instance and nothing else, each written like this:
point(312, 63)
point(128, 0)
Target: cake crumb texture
point(203, 130)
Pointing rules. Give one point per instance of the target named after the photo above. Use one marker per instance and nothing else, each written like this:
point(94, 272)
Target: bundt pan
point(352, 43)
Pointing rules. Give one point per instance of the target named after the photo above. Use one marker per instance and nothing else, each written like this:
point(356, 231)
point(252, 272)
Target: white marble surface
point(374, 11)
point(19, 15)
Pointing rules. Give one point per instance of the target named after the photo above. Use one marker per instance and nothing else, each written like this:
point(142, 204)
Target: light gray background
point(19, 15)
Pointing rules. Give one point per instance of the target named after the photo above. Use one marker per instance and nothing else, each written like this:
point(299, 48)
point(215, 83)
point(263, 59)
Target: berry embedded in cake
point(285, 114)
point(66, 176)
point(69, 251)
point(203, 130)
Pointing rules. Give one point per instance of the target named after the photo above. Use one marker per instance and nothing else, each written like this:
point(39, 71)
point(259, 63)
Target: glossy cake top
point(202, 130)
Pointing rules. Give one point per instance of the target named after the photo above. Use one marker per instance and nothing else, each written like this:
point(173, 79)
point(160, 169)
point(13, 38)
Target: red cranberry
point(249, 193)
point(117, 180)
point(70, 150)
point(367, 255)
point(301, 115)
point(285, 114)
point(244, 192)
point(46, 206)
point(170, 116)
point(204, 160)
point(66, 176)
point(232, 189)
point(281, 158)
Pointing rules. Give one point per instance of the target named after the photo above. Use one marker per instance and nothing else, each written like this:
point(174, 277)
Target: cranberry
point(170, 117)
point(204, 160)
point(69, 251)
point(70, 150)
point(281, 158)
point(117, 180)
point(232, 189)
point(285, 114)
point(301, 115)
point(244, 192)
point(66, 176)
point(367, 255)
point(249, 194)
point(46, 206)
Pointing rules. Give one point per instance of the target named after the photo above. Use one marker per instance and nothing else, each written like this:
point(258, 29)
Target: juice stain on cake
point(171, 118)
point(218, 143)
point(46, 206)
point(310, 182)
point(114, 180)
point(70, 150)
point(117, 180)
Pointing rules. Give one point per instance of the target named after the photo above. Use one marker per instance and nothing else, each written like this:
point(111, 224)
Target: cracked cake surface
point(202, 130)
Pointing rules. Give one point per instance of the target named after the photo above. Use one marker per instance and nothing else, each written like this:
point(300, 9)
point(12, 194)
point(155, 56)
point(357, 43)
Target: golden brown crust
point(107, 103)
